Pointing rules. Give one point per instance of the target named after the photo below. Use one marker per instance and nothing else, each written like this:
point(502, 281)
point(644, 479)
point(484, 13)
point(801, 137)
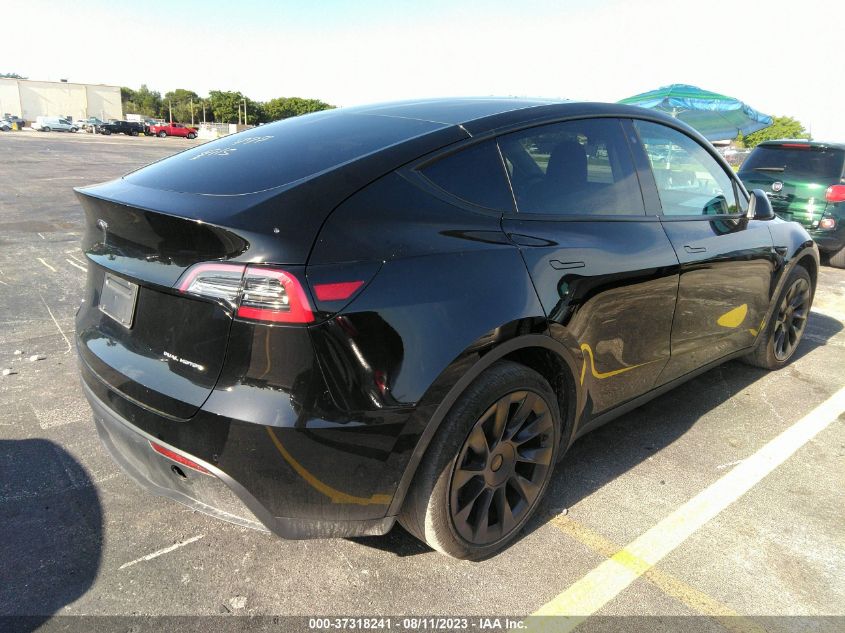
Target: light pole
point(244, 102)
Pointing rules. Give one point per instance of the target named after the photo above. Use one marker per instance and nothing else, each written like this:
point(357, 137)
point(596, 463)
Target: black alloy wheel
point(791, 319)
point(485, 472)
point(501, 468)
point(782, 333)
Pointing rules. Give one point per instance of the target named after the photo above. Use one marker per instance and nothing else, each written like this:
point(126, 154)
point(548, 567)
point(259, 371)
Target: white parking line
point(593, 591)
point(58, 327)
point(46, 264)
point(158, 553)
point(73, 263)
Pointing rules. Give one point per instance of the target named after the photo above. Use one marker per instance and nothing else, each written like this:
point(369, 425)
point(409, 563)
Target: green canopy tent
point(716, 117)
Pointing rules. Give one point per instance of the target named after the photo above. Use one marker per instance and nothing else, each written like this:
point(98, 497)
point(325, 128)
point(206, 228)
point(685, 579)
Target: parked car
point(805, 181)
point(10, 119)
point(90, 124)
point(54, 124)
point(130, 128)
point(5, 125)
point(411, 311)
point(174, 129)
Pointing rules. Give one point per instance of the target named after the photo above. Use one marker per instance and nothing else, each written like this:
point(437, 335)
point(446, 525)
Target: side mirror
point(759, 207)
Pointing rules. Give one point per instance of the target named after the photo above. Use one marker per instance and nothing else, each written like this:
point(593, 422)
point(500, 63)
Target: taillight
point(273, 295)
point(219, 281)
point(827, 224)
point(257, 293)
point(835, 193)
point(336, 291)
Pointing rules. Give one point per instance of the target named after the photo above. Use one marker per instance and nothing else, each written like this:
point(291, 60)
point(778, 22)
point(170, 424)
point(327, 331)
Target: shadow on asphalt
point(51, 532)
point(610, 451)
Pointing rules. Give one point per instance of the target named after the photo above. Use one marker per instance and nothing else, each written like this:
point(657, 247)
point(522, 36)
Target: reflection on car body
point(412, 310)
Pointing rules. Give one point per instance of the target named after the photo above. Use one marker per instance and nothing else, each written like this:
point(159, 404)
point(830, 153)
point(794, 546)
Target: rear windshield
point(806, 162)
point(278, 154)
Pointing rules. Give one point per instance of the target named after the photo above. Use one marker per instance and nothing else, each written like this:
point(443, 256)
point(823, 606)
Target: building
point(30, 99)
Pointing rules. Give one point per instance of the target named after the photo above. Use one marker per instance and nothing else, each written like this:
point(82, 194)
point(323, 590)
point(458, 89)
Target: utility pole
point(192, 111)
point(244, 100)
point(170, 110)
point(203, 110)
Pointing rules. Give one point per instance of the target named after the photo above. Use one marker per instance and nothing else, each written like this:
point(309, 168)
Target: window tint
point(279, 153)
point(475, 174)
point(689, 180)
point(796, 160)
point(573, 168)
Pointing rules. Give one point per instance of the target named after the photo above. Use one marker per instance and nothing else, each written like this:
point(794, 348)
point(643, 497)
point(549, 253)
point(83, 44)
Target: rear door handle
point(695, 249)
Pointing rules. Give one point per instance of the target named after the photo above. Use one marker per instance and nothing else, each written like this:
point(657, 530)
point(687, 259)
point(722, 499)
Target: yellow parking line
point(690, 596)
point(601, 585)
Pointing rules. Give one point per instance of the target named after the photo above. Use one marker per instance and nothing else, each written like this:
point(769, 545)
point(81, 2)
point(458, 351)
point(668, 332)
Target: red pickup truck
point(173, 129)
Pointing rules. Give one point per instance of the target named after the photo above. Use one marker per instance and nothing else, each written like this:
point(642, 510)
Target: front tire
point(488, 465)
point(192, 136)
point(784, 331)
point(837, 259)
point(162, 134)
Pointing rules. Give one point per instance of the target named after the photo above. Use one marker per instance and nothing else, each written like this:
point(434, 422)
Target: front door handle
point(559, 265)
point(695, 249)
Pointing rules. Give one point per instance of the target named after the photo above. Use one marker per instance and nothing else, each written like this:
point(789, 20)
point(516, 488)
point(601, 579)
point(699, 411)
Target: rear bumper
point(216, 494)
point(829, 241)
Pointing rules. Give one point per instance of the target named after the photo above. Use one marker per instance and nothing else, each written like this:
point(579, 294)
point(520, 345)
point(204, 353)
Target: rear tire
point(488, 466)
point(783, 333)
point(837, 259)
point(134, 132)
point(46, 129)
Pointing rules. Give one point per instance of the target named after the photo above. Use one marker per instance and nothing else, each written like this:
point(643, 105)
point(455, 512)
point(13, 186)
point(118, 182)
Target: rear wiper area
point(768, 168)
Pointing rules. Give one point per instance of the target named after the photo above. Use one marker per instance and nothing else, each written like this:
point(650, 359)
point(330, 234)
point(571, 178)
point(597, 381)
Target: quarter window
point(581, 167)
point(475, 174)
point(689, 180)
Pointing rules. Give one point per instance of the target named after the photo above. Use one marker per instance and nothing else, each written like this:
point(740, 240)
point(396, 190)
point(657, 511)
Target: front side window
point(581, 167)
point(689, 180)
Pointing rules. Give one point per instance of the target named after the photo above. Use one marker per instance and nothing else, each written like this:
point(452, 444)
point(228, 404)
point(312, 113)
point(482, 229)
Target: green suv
point(805, 182)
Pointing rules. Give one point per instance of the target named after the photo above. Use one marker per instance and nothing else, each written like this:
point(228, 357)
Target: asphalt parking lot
point(77, 537)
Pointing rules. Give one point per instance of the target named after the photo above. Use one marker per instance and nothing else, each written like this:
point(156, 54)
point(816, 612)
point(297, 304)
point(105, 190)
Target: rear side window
point(475, 174)
point(579, 167)
point(689, 180)
point(797, 160)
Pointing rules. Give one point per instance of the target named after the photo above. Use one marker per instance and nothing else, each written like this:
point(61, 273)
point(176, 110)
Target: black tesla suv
point(411, 310)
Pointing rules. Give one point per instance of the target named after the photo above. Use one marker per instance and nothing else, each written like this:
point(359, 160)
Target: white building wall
point(10, 101)
point(31, 99)
point(104, 102)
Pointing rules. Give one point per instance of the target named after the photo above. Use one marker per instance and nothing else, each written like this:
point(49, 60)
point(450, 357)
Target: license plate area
point(118, 299)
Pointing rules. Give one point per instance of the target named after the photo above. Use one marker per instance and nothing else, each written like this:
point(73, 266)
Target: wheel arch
point(550, 358)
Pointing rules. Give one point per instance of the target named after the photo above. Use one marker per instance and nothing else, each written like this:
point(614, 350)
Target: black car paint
point(319, 429)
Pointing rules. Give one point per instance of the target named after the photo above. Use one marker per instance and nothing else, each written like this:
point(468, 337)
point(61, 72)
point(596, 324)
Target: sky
point(780, 57)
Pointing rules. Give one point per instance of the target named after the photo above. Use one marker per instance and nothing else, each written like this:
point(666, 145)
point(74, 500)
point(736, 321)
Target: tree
point(179, 102)
point(781, 127)
point(11, 76)
point(285, 107)
point(225, 105)
point(142, 101)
